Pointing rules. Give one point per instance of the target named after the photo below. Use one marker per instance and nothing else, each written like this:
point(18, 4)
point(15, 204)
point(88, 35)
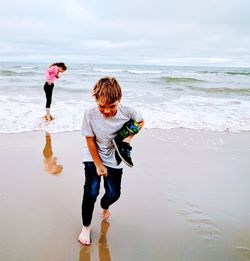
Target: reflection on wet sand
point(50, 163)
point(104, 255)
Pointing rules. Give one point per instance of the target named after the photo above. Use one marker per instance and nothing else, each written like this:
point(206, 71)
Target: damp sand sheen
point(186, 198)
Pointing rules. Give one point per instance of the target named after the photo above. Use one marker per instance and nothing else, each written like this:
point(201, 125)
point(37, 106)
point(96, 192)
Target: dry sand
point(187, 198)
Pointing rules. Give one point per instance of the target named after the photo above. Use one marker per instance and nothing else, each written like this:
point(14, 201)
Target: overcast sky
point(177, 32)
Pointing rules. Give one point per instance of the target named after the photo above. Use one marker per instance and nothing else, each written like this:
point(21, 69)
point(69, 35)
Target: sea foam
point(20, 114)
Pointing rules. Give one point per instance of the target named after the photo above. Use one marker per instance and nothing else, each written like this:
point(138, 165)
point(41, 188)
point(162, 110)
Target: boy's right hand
point(101, 170)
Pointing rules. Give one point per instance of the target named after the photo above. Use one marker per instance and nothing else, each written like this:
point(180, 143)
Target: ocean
point(203, 98)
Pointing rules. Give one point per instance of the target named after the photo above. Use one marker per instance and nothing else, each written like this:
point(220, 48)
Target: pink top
point(50, 73)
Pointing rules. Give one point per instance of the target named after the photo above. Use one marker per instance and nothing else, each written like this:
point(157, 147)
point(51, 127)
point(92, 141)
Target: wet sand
point(187, 198)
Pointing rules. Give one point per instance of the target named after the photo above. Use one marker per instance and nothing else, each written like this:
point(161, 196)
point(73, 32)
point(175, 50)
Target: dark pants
point(112, 185)
point(48, 91)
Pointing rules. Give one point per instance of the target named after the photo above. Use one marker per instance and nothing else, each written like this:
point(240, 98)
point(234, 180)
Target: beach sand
point(186, 198)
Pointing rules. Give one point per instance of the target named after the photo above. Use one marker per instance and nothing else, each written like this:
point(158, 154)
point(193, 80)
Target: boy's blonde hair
point(107, 90)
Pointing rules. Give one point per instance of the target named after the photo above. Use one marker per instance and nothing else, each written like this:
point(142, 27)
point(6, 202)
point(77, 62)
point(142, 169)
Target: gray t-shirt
point(94, 124)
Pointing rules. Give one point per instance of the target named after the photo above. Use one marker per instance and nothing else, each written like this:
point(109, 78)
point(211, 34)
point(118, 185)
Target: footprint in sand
point(244, 252)
point(204, 225)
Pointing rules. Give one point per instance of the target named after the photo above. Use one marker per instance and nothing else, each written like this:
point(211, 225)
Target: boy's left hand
point(102, 170)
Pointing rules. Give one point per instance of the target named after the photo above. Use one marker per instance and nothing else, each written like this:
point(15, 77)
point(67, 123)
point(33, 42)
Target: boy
point(100, 126)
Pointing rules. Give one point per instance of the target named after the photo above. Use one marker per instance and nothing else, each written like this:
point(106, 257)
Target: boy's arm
point(100, 168)
point(140, 124)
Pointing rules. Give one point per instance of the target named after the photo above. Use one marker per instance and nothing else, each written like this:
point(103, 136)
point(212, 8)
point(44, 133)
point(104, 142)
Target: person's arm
point(140, 125)
point(100, 168)
point(50, 73)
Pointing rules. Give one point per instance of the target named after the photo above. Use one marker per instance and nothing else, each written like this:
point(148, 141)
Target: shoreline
point(144, 130)
point(181, 129)
point(191, 185)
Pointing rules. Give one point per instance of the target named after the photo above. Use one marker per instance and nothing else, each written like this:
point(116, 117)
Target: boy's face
point(108, 109)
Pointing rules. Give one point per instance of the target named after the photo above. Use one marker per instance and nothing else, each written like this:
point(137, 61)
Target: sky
point(177, 32)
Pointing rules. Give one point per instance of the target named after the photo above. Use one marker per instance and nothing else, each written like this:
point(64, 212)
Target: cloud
point(214, 32)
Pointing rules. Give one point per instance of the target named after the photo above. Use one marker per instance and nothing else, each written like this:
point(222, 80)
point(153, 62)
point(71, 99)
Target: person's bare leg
point(84, 236)
point(105, 214)
point(47, 116)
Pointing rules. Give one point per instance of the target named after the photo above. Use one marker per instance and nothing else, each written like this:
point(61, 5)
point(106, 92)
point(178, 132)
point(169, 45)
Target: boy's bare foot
point(84, 236)
point(52, 117)
point(105, 214)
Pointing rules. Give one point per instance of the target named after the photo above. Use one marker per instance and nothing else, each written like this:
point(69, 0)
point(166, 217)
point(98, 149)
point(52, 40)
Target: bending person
point(51, 73)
